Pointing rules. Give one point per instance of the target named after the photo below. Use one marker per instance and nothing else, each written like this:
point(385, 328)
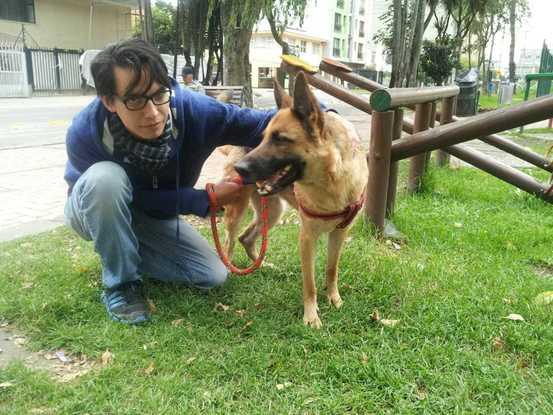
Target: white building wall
point(311, 40)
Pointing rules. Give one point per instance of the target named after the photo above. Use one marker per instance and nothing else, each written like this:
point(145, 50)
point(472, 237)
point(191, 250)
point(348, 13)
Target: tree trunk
point(397, 45)
point(236, 53)
point(277, 36)
point(512, 21)
point(148, 23)
point(416, 45)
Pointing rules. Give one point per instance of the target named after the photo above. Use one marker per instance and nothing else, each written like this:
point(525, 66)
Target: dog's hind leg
point(234, 213)
point(336, 240)
point(253, 231)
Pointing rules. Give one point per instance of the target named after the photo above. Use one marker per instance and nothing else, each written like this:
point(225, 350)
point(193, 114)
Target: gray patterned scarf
point(148, 155)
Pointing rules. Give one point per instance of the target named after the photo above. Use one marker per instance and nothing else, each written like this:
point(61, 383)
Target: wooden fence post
point(379, 168)
point(392, 183)
point(418, 162)
point(446, 117)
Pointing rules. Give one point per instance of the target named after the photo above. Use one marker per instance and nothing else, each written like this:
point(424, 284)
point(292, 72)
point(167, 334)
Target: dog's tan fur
point(334, 177)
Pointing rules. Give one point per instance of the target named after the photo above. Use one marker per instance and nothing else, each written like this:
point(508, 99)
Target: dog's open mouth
point(278, 181)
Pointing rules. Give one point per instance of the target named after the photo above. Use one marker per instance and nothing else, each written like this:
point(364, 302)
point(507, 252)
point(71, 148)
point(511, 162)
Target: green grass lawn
point(491, 102)
point(477, 251)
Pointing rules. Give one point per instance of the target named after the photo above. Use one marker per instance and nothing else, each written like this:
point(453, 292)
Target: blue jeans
point(131, 243)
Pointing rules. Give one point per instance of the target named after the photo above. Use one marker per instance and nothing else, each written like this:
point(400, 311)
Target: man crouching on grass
point(134, 155)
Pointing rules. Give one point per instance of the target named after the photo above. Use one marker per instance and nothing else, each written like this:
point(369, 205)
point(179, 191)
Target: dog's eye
point(279, 138)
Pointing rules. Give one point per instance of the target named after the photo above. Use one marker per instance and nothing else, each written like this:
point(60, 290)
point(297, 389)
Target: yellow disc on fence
point(298, 63)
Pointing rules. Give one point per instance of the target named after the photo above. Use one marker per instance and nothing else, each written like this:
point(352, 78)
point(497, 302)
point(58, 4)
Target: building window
point(337, 22)
point(264, 72)
point(340, 4)
point(316, 49)
point(362, 9)
point(18, 10)
point(336, 47)
point(361, 29)
point(303, 46)
point(373, 57)
point(360, 51)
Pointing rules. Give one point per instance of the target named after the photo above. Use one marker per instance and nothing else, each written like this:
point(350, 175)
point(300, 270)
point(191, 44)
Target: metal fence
point(13, 74)
point(53, 70)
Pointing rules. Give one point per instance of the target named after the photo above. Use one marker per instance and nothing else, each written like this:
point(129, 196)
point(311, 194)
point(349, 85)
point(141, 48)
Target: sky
point(530, 34)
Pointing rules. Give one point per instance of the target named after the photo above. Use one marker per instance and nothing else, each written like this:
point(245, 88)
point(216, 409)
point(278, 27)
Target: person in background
point(189, 81)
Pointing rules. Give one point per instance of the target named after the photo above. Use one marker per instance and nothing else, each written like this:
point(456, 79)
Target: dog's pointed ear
point(282, 99)
point(306, 105)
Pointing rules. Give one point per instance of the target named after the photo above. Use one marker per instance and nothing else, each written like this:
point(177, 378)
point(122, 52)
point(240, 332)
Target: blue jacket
point(203, 124)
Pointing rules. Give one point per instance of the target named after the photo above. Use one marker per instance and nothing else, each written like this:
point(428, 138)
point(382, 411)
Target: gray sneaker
point(126, 303)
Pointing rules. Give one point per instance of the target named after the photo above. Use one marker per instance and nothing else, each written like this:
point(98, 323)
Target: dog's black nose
point(243, 169)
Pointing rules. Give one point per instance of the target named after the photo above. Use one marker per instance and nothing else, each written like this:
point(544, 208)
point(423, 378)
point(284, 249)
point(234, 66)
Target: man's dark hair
point(187, 70)
point(133, 54)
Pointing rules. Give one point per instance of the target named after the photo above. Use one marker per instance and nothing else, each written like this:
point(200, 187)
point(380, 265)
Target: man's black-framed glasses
point(136, 103)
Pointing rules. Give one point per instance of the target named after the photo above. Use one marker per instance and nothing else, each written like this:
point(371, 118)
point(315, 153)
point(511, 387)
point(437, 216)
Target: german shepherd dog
point(313, 160)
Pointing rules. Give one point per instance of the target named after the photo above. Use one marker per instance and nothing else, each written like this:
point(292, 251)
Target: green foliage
point(164, 23)
point(438, 59)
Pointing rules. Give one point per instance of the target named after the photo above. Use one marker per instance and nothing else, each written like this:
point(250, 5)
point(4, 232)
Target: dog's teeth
point(287, 168)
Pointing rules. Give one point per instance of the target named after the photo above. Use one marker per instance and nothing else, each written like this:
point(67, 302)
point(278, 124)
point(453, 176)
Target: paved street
point(32, 157)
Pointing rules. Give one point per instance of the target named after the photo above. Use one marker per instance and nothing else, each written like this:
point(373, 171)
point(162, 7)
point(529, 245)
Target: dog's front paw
point(311, 317)
point(335, 299)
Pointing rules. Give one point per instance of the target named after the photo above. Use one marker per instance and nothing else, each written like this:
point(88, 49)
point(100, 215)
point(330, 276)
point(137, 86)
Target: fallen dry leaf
point(68, 377)
point(514, 317)
point(27, 285)
point(544, 298)
point(364, 358)
point(190, 360)
point(240, 313)
point(221, 307)
point(281, 386)
point(458, 225)
point(388, 323)
point(248, 324)
point(375, 316)
point(107, 358)
point(150, 369)
point(177, 322)
point(498, 344)
point(5, 385)
point(20, 341)
point(422, 393)
point(151, 306)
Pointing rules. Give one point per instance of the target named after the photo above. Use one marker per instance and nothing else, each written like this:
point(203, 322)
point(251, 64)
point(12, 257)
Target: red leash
point(264, 233)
